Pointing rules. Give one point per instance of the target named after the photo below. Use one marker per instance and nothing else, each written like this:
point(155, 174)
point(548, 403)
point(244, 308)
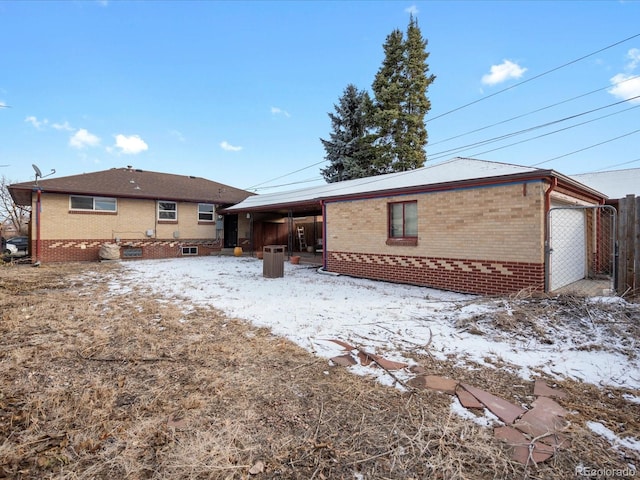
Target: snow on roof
point(454, 170)
point(614, 183)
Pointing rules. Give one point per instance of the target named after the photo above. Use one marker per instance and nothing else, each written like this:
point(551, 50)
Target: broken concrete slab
point(521, 449)
point(504, 410)
point(540, 422)
point(542, 389)
point(533, 453)
point(367, 358)
point(467, 400)
point(417, 369)
point(344, 360)
point(550, 406)
point(388, 364)
point(557, 440)
point(344, 345)
point(510, 435)
point(435, 382)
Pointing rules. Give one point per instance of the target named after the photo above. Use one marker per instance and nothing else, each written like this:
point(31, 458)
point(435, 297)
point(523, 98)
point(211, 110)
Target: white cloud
point(63, 126)
point(279, 111)
point(503, 72)
point(82, 138)
point(228, 147)
point(413, 10)
point(625, 86)
point(634, 59)
point(131, 145)
point(35, 122)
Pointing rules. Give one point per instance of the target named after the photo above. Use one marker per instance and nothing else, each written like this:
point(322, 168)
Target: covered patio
point(297, 226)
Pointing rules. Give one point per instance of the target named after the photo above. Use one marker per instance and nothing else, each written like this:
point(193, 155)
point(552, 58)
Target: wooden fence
point(628, 275)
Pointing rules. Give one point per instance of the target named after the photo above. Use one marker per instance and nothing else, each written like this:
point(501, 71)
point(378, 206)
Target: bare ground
point(97, 386)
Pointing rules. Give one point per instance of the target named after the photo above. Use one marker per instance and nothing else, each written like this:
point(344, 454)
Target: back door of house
point(230, 231)
point(568, 245)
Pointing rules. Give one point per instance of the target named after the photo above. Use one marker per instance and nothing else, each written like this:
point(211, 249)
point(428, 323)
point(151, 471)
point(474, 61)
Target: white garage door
point(568, 246)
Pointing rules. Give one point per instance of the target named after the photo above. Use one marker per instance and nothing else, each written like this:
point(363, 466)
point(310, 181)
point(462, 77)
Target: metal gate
point(581, 245)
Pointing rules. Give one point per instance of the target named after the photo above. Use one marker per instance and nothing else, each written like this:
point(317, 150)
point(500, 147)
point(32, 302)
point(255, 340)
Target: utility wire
point(285, 175)
point(483, 142)
point(537, 127)
point(308, 180)
point(531, 112)
point(485, 98)
point(615, 165)
point(533, 78)
point(586, 148)
point(553, 132)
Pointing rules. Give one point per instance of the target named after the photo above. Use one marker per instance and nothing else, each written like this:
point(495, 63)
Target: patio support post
point(290, 233)
point(324, 234)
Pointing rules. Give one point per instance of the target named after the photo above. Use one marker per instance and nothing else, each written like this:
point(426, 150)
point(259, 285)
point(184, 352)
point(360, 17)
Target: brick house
point(464, 225)
point(148, 214)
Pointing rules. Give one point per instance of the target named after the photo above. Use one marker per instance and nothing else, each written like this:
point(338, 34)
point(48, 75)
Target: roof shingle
point(133, 183)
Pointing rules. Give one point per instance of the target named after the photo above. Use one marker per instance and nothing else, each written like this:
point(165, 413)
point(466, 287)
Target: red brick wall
point(459, 275)
point(78, 250)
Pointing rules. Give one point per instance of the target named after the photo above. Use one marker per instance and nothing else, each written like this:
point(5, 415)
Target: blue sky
point(238, 92)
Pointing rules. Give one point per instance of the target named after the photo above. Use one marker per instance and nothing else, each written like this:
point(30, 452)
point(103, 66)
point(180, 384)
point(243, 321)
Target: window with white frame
point(189, 250)
point(205, 212)
point(167, 210)
point(98, 204)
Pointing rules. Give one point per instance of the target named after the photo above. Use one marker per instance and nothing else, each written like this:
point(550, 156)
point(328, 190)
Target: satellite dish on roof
point(39, 173)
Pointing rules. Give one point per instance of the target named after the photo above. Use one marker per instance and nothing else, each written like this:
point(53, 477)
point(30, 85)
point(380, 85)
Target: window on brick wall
point(403, 223)
point(167, 210)
point(205, 212)
point(98, 204)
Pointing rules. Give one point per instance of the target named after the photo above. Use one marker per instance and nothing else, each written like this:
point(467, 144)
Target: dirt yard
point(94, 387)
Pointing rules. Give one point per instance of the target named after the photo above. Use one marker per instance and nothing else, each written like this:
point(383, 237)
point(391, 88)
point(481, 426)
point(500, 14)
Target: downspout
point(38, 239)
point(553, 183)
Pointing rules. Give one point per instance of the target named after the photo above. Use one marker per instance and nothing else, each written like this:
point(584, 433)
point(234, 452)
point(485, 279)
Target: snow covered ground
point(388, 319)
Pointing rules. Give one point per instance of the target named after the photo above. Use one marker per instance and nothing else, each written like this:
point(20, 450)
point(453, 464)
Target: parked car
point(21, 244)
point(9, 249)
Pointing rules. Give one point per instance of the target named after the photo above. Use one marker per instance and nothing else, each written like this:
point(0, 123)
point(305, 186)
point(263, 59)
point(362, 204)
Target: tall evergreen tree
point(349, 145)
point(388, 88)
point(401, 101)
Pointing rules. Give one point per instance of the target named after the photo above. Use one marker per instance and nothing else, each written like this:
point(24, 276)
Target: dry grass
point(101, 386)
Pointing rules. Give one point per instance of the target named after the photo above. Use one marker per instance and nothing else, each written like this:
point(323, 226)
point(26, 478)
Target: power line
point(537, 127)
point(485, 98)
point(614, 166)
point(533, 111)
point(555, 131)
point(308, 180)
point(483, 142)
point(285, 175)
point(533, 78)
point(586, 148)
